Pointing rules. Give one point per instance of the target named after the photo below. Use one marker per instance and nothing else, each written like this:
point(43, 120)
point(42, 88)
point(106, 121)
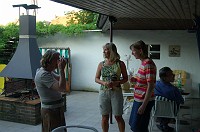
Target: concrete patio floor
point(82, 109)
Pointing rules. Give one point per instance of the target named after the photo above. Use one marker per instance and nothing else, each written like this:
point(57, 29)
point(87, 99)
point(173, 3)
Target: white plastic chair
point(128, 103)
point(164, 108)
point(63, 128)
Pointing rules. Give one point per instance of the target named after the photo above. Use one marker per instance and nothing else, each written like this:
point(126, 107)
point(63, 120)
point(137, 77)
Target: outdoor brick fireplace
point(11, 109)
point(20, 101)
point(27, 112)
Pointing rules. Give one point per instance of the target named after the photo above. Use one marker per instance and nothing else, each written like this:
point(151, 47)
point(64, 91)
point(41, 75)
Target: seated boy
point(165, 89)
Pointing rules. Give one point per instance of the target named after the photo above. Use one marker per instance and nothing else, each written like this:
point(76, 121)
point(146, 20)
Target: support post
point(112, 20)
point(197, 22)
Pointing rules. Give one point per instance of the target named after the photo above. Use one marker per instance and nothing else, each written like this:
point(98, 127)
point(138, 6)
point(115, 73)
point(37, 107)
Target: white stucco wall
point(86, 53)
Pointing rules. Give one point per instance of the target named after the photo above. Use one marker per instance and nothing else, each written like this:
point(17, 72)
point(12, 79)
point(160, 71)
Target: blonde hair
point(113, 51)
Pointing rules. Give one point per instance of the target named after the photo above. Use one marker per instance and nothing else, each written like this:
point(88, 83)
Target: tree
point(8, 41)
point(8, 32)
point(86, 21)
point(86, 17)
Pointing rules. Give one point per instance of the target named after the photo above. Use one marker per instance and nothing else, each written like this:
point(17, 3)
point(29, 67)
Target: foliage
point(86, 17)
point(80, 21)
point(43, 29)
point(8, 32)
point(86, 21)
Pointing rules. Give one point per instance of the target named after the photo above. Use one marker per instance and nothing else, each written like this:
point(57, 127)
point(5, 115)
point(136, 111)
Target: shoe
point(168, 129)
point(160, 127)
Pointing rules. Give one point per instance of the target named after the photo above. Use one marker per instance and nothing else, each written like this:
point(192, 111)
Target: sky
point(48, 10)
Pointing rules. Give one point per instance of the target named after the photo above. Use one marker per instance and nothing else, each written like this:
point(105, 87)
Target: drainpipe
point(111, 29)
point(112, 20)
point(197, 22)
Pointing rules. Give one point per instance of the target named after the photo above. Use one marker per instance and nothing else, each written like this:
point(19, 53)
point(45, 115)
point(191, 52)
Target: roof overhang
point(142, 14)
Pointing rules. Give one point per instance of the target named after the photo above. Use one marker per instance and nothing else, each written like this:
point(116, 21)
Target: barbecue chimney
point(27, 56)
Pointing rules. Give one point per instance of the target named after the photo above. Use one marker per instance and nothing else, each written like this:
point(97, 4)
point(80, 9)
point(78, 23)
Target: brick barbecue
point(20, 101)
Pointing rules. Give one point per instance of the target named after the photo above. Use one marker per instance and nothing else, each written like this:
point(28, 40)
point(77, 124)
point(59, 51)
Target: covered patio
point(82, 109)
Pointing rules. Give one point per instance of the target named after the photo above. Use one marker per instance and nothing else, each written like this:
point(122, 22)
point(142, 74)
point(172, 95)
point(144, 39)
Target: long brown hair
point(47, 58)
point(140, 45)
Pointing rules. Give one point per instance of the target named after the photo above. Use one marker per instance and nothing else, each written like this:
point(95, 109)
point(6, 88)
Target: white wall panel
point(86, 53)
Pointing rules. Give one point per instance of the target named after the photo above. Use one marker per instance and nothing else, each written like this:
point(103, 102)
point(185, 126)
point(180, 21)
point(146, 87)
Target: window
point(154, 51)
